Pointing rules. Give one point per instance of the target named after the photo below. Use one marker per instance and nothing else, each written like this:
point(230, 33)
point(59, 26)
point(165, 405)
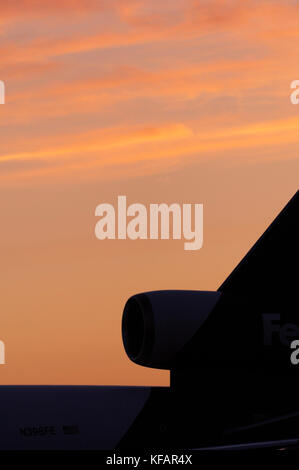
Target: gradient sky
point(163, 101)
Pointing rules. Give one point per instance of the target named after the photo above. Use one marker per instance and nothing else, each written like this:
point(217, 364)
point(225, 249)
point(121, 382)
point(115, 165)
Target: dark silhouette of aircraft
point(233, 384)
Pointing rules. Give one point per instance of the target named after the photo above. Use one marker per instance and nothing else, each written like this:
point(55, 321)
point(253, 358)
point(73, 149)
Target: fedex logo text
point(286, 332)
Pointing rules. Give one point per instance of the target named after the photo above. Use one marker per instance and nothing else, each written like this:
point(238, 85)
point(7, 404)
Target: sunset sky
point(183, 101)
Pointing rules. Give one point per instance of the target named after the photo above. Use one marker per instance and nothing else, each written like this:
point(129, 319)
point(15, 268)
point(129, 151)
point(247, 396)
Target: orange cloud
point(25, 8)
point(105, 142)
point(192, 21)
point(122, 147)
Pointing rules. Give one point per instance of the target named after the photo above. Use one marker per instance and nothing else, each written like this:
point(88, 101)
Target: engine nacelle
point(197, 329)
point(157, 325)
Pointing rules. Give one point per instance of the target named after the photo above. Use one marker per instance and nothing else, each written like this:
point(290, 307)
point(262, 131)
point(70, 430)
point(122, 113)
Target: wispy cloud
point(71, 82)
point(121, 147)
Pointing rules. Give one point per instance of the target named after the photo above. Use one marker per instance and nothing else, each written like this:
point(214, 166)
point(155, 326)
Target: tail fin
point(268, 274)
